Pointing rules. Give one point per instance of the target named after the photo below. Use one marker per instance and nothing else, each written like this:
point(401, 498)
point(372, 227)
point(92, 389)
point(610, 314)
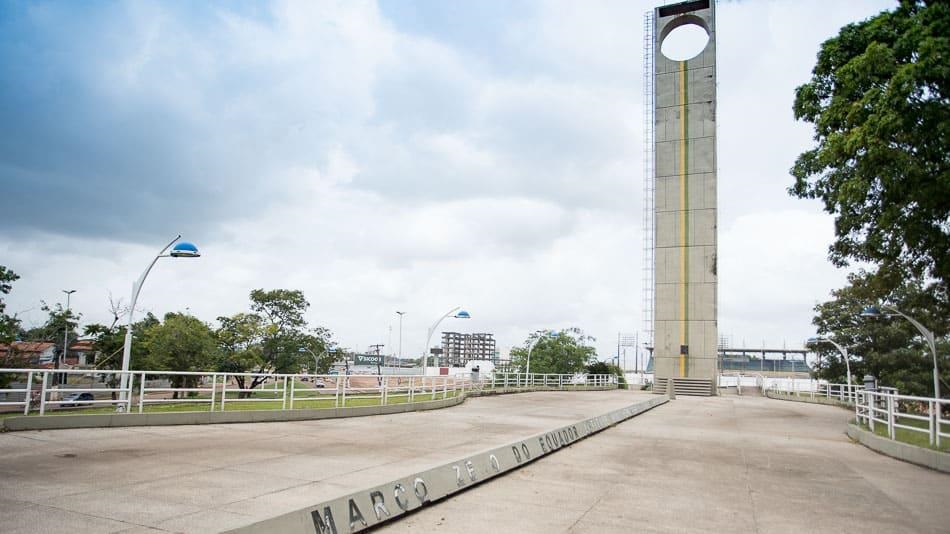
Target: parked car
point(319, 383)
point(76, 398)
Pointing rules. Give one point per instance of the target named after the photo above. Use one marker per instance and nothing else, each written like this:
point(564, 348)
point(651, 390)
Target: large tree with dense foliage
point(8, 325)
point(563, 353)
point(181, 343)
point(273, 338)
point(879, 99)
point(890, 349)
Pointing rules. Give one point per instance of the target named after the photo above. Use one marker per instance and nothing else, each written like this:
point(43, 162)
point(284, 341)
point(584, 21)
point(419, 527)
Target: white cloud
point(323, 147)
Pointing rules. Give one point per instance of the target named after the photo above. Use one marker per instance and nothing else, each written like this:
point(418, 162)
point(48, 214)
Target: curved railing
point(904, 417)
point(94, 391)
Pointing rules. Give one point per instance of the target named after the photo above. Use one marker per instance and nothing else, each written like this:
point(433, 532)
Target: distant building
point(28, 353)
point(459, 349)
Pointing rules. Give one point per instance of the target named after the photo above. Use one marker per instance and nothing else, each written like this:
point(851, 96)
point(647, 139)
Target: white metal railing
point(559, 381)
point(842, 392)
point(34, 389)
point(895, 412)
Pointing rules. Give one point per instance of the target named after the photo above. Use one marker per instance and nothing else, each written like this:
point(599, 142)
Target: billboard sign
point(367, 359)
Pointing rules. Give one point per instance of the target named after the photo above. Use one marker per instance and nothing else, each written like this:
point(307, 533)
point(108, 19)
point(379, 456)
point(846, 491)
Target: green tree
point(879, 99)
point(9, 326)
point(892, 349)
point(269, 340)
point(564, 353)
point(181, 343)
point(603, 368)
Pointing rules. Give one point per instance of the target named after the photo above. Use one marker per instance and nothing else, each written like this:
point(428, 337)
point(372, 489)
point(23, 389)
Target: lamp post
point(875, 311)
point(550, 334)
point(462, 314)
point(181, 250)
point(316, 359)
point(843, 350)
point(62, 357)
point(400, 314)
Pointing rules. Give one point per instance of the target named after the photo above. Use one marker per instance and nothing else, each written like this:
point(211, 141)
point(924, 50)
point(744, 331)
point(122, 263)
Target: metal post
point(128, 394)
point(28, 395)
point(343, 397)
point(890, 416)
point(293, 387)
point(410, 389)
point(43, 392)
point(142, 392)
point(283, 393)
point(933, 422)
point(214, 387)
point(224, 390)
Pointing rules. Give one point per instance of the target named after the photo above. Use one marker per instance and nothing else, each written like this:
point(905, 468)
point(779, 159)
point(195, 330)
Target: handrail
point(893, 410)
point(217, 391)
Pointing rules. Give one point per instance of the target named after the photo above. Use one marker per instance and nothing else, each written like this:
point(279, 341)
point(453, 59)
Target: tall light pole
point(462, 314)
point(843, 350)
point(181, 250)
point(400, 314)
point(874, 311)
point(62, 360)
point(550, 334)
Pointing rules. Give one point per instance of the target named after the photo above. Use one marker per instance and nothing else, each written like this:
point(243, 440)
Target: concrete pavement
point(208, 478)
point(727, 464)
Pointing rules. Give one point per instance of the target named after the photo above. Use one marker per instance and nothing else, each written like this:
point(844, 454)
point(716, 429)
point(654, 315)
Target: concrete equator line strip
point(376, 505)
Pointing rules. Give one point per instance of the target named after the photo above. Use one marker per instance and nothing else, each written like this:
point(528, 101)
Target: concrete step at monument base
point(700, 387)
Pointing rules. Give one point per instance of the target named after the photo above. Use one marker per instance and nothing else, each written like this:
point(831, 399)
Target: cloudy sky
point(392, 155)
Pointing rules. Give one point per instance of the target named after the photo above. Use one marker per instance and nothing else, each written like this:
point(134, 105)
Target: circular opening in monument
point(685, 41)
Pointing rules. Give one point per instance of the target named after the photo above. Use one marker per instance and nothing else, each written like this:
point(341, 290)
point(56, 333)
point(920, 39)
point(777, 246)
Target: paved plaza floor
point(215, 477)
point(727, 464)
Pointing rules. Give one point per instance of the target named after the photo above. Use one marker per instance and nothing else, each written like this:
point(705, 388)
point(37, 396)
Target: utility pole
point(379, 371)
point(400, 313)
point(64, 376)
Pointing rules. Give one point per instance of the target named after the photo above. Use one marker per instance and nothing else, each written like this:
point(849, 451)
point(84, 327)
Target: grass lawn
point(235, 404)
point(920, 439)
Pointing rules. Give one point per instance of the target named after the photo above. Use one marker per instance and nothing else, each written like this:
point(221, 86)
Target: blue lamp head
point(871, 311)
point(812, 341)
point(463, 315)
point(553, 334)
point(185, 250)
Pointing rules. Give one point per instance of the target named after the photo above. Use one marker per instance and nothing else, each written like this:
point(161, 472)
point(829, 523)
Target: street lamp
point(550, 334)
point(460, 315)
point(843, 350)
point(181, 250)
point(316, 359)
point(874, 311)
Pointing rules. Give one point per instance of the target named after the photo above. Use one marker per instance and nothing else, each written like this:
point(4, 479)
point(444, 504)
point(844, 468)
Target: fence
point(916, 415)
point(210, 391)
point(817, 388)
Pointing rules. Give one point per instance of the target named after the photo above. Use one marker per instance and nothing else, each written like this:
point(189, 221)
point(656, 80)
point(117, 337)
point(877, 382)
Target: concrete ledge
point(937, 460)
point(816, 400)
point(49, 422)
point(376, 505)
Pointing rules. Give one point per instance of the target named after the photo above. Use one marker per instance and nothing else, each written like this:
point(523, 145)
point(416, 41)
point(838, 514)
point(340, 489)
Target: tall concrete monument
point(685, 337)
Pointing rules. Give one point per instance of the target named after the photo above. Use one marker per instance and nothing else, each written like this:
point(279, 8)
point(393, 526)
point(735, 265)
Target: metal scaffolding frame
point(649, 180)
